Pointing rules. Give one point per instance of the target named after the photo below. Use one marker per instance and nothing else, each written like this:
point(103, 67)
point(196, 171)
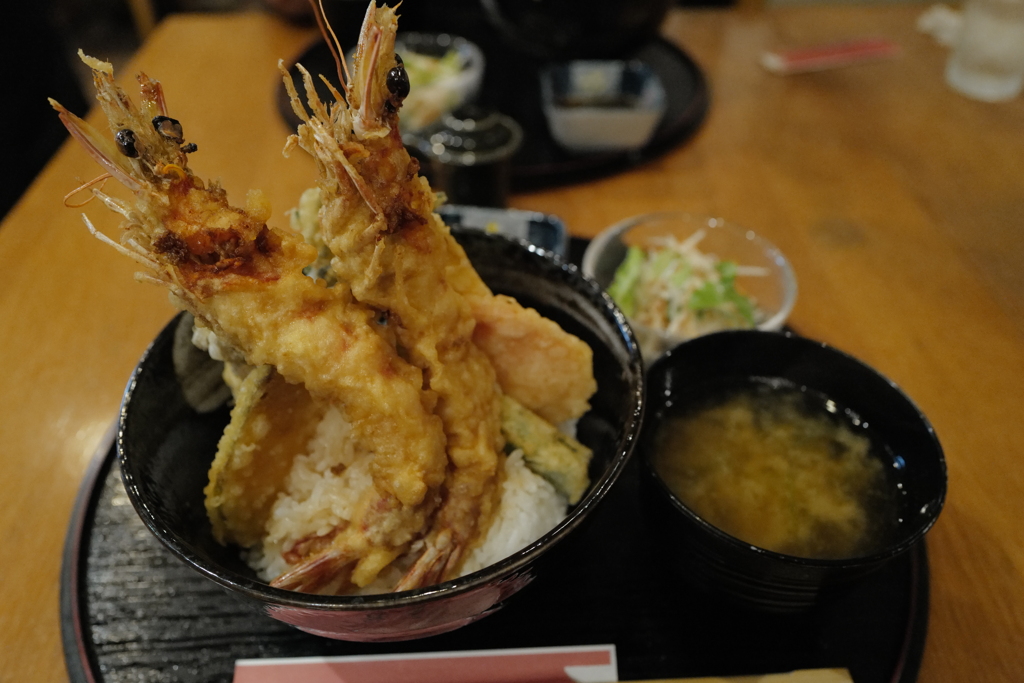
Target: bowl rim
point(509, 567)
point(614, 232)
point(890, 551)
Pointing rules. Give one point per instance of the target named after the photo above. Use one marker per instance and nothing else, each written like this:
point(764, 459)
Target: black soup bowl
point(726, 567)
point(166, 447)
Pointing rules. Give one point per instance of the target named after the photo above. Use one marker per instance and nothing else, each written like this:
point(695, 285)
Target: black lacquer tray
point(513, 87)
point(130, 611)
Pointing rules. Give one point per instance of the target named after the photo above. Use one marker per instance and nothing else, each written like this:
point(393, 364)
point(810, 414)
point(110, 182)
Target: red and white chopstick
point(830, 56)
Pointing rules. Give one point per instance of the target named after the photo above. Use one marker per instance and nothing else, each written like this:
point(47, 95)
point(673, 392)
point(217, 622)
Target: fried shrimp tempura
point(243, 279)
point(397, 255)
point(377, 219)
point(399, 335)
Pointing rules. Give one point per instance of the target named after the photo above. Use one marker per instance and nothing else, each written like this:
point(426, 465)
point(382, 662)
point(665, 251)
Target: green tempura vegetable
point(557, 457)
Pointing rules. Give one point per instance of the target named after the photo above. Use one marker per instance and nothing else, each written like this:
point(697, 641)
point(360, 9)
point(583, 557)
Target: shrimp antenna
point(332, 41)
point(100, 179)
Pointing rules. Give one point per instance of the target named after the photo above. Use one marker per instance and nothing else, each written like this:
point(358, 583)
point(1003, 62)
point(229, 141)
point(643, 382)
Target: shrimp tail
point(432, 564)
point(314, 575)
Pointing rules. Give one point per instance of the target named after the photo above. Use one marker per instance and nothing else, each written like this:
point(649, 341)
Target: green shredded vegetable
point(623, 288)
point(676, 288)
point(425, 69)
point(435, 87)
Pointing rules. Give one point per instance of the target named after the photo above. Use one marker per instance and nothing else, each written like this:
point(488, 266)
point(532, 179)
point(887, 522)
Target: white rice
point(325, 484)
point(529, 508)
point(320, 494)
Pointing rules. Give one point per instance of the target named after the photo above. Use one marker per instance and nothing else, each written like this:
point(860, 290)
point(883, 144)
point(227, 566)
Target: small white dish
point(602, 105)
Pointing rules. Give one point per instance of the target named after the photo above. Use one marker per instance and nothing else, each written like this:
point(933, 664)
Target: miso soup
point(781, 468)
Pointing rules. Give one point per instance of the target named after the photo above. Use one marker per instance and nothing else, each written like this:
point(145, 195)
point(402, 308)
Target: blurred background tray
point(130, 611)
point(541, 162)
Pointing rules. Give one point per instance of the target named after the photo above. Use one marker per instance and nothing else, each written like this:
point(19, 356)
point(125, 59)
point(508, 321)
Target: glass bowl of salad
point(677, 276)
point(445, 72)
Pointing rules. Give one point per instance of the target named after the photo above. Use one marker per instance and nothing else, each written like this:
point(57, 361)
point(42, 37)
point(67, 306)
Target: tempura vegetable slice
point(557, 457)
point(271, 423)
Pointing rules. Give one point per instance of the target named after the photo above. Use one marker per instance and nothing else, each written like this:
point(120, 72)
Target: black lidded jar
point(467, 154)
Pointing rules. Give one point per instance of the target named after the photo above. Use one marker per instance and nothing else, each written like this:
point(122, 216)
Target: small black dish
point(743, 573)
point(166, 446)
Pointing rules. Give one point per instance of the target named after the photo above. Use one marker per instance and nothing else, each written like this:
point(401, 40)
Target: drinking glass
point(988, 60)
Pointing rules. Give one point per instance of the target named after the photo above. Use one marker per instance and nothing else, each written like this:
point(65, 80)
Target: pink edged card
point(583, 664)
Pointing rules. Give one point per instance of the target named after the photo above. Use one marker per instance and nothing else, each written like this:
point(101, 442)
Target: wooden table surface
point(899, 203)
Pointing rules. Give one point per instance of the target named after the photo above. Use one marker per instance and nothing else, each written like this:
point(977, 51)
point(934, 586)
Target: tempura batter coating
point(404, 342)
point(546, 370)
point(243, 279)
point(271, 421)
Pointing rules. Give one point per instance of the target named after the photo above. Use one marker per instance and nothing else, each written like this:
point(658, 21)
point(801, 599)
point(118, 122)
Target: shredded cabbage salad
point(435, 86)
point(674, 287)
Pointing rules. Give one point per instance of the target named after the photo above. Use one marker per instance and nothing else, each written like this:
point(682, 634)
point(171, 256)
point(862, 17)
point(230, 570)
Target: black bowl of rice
point(175, 409)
